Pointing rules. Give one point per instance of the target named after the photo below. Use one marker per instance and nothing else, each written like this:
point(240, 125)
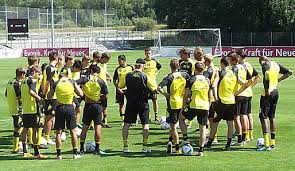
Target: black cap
point(140, 61)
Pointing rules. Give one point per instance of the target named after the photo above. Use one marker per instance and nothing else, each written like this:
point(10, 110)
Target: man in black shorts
point(65, 114)
point(138, 85)
point(93, 106)
point(269, 98)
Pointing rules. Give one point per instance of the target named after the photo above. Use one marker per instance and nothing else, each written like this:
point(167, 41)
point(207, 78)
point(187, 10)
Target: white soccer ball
point(78, 132)
point(43, 141)
point(90, 147)
point(63, 136)
point(165, 125)
point(187, 149)
point(260, 142)
point(162, 119)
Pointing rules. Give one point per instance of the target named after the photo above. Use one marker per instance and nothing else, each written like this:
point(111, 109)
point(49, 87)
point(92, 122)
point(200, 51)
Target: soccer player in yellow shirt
point(175, 83)
point(29, 96)
point(65, 115)
point(13, 94)
point(152, 68)
point(199, 104)
point(119, 81)
point(269, 98)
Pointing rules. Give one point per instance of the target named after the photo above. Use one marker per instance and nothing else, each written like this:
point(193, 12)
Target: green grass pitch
point(245, 158)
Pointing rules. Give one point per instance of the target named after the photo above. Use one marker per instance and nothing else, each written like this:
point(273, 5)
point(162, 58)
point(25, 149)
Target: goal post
point(168, 42)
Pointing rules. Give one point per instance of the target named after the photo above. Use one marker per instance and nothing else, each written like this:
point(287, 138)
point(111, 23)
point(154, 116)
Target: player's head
point(69, 60)
point(224, 62)
point(184, 54)
point(208, 60)
point(174, 64)
point(85, 61)
point(139, 64)
point(77, 66)
point(33, 60)
point(94, 69)
point(64, 73)
point(242, 54)
point(20, 73)
point(61, 61)
point(53, 57)
point(148, 53)
point(34, 72)
point(43, 66)
point(234, 58)
point(122, 60)
point(105, 58)
point(96, 57)
point(199, 67)
point(263, 59)
point(199, 54)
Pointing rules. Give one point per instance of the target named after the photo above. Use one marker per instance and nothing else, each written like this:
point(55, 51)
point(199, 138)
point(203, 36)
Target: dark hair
point(77, 64)
point(241, 53)
point(20, 71)
point(234, 57)
point(32, 60)
point(122, 57)
point(94, 69)
point(200, 66)
point(96, 55)
point(53, 56)
point(225, 61)
point(33, 69)
point(68, 58)
point(43, 66)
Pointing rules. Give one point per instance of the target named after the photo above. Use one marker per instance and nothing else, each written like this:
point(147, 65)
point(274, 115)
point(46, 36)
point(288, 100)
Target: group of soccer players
point(194, 88)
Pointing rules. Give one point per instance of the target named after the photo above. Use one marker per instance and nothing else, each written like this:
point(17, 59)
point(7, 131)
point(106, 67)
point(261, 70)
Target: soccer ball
point(260, 142)
point(90, 147)
point(187, 149)
point(78, 132)
point(162, 119)
point(63, 136)
point(43, 141)
point(165, 125)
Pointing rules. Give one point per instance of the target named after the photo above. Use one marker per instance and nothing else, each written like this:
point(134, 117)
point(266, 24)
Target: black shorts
point(92, 112)
point(268, 105)
point(17, 121)
point(65, 115)
point(120, 97)
point(30, 121)
point(152, 95)
point(137, 108)
point(249, 108)
point(104, 103)
point(241, 105)
point(202, 115)
point(225, 112)
point(77, 102)
point(213, 110)
point(50, 106)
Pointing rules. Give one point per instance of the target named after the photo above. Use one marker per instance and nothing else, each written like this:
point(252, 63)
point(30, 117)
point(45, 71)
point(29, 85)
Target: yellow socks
point(30, 136)
point(39, 135)
point(266, 139)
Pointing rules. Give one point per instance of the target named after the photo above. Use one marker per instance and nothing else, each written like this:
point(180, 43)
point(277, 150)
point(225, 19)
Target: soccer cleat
point(273, 147)
point(189, 127)
point(82, 152)
point(227, 148)
point(41, 146)
point(28, 155)
point(58, 157)
point(169, 147)
point(264, 148)
point(100, 152)
point(76, 156)
point(41, 157)
point(199, 153)
point(215, 141)
point(50, 142)
point(126, 150)
point(79, 126)
point(177, 152)
point(145, 150)
point(237, 144)
point(106, 126)
point(197, 130)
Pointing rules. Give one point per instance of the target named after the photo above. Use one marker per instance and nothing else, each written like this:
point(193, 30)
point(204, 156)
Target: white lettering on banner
point(265, 51)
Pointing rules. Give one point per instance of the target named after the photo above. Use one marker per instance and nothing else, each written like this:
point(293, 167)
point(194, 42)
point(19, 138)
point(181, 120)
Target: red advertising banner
point(46, 51)
point(259, 51)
